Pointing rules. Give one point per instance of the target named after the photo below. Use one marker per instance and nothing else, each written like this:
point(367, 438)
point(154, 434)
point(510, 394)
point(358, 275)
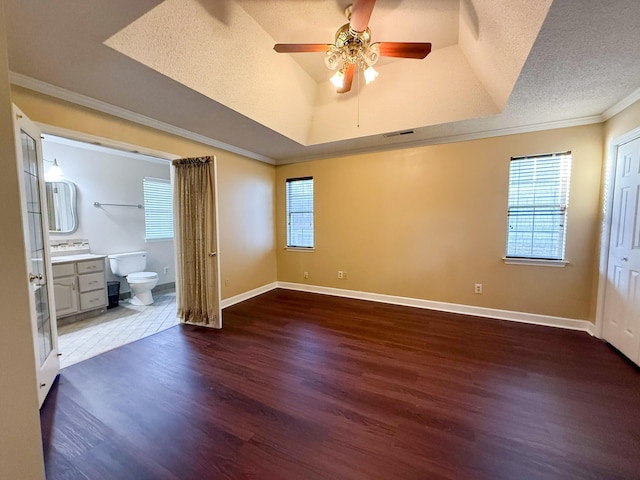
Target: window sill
point(539, 262)
point(153, 240)
point(300, 249)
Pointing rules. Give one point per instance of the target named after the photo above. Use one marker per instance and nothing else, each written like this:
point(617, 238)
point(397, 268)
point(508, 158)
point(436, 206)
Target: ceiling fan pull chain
point(358, 97)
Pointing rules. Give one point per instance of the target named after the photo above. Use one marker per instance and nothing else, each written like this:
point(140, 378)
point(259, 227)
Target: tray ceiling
point(209, 69)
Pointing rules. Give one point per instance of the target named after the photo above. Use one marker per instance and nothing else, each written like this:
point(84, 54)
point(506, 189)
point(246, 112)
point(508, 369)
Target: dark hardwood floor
point(304, 386)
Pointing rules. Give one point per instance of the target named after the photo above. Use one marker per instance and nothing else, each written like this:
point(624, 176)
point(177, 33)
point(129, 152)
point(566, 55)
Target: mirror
point(61, 206)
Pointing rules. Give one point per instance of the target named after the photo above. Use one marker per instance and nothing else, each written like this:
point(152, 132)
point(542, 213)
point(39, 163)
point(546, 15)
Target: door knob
point(33, 277)
point(625, 259)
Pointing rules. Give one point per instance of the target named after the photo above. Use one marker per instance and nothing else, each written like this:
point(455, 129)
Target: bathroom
point(104, 176)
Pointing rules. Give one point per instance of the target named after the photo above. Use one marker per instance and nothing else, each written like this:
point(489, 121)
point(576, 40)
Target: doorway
point(618, 318)
point(109, 180)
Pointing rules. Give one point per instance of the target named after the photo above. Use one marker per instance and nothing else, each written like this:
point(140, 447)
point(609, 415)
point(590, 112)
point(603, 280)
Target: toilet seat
point(140, 277)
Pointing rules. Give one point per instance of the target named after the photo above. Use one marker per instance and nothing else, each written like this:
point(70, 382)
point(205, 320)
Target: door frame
point(216, 203)
point(48, 129)
point(91, 139)
point(605, 228)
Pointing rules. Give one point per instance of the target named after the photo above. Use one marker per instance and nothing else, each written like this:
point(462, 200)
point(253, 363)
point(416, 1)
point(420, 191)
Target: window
point(300, 212)
point(537, 213)
point(158, 209)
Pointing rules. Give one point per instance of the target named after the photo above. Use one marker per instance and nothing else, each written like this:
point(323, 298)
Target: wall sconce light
point(54, 173)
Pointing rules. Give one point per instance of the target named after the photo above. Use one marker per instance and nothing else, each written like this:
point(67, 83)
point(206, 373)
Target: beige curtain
point(196, 238)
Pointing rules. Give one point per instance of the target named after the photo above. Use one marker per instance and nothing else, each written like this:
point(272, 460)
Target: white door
point(35, 228)
point(622, 292)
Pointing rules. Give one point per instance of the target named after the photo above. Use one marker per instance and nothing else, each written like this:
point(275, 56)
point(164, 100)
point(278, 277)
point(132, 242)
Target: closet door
point(35, 228)
point(622, 295)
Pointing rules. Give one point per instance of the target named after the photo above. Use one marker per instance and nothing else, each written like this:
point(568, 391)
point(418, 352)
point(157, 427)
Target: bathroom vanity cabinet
point(79, 284)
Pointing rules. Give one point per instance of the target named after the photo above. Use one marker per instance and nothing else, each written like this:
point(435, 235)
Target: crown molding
point(480, 134)
point(463, 137)
point(535, 127)
point(88, 102)
point(621, 105)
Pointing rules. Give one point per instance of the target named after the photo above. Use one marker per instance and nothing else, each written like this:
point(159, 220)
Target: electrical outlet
point(477, 288)
point(166, 269)
point(345, 275)
point(226, 282)
point(306, 275)
point(340, 274)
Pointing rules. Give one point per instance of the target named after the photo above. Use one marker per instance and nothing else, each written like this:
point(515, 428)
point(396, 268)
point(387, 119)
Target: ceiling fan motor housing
point(352, 47)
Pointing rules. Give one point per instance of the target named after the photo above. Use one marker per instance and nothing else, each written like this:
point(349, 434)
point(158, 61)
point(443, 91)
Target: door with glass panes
point(35, 229)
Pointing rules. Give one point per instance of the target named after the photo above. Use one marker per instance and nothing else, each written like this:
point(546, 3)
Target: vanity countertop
point(75, 258)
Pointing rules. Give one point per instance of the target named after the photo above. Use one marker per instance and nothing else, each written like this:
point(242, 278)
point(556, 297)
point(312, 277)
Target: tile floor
point(116, 327)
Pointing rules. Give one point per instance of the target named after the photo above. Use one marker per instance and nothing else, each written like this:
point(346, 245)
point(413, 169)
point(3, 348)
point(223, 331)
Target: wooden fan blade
point(404, 49)
point(348, 79)
point(300, 47)
point(360, 14)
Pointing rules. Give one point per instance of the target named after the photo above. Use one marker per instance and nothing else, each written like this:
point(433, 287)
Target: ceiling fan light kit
point(353, 48)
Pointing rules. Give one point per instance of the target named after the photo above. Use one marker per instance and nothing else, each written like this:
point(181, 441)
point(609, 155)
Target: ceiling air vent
point(397, 134)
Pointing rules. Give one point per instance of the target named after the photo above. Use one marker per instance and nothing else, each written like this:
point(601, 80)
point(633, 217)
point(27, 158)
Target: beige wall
point(247, 224)
point(429, 222)
point(247, 232)
point(20, 440)
point(246, 187)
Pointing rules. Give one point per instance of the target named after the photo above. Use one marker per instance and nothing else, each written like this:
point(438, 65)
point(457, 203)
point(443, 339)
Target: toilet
point(131, 265)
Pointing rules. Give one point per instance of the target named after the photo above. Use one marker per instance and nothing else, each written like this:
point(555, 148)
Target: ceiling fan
point(353, 48)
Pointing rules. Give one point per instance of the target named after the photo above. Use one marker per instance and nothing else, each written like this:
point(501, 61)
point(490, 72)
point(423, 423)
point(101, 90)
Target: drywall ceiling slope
point(444, 89)
point(496, 37)
point(231, 60)
point(314, 21)
point(56, 47)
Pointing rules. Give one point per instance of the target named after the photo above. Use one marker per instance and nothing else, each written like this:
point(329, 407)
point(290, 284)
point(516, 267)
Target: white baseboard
point(227, 302)
point(522, 317)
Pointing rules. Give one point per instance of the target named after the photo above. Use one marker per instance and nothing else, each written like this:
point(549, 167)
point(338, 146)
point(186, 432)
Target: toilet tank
point(123, 264)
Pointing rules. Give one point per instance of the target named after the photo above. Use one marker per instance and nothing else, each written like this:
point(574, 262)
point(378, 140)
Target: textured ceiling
point(208, 67)
point(200, 49)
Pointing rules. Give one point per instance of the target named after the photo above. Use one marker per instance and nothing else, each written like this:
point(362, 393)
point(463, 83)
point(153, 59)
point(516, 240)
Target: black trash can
point(113, 292)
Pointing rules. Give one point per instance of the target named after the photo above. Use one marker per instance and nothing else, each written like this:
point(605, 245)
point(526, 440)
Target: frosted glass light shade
point(338, 79)
point(370, 75)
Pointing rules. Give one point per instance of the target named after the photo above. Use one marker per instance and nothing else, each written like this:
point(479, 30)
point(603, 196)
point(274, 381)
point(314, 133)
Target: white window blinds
point(538, 199)
point(300, 212)
point(158, 209)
